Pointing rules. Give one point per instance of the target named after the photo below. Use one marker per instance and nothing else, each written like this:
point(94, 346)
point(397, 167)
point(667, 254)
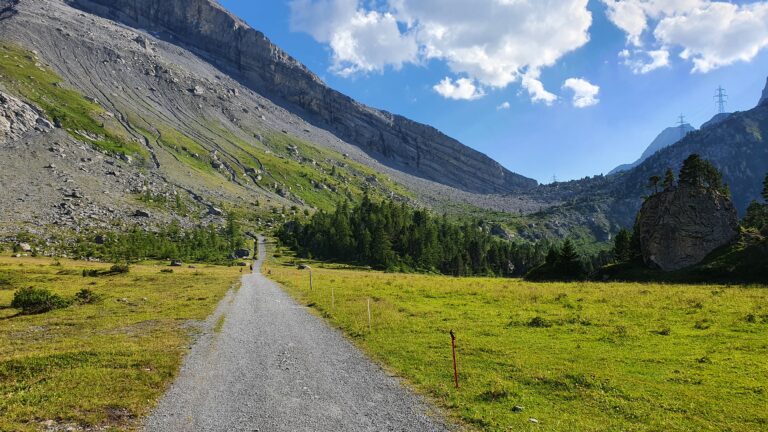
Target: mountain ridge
point(666, 138)
point(392, 139)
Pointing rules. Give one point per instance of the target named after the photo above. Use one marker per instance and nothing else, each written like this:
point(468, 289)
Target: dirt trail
point(275, 367)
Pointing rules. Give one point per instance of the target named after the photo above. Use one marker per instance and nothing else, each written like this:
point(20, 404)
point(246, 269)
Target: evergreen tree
point(756, 217)
point(622, 246)
point(765, 189)
point(653, 183)
point(388, 235)
point(702, 173)
point(669, 179)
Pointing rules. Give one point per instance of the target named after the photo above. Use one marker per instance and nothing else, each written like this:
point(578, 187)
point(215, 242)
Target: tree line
point(395, 237)
point(213, 244)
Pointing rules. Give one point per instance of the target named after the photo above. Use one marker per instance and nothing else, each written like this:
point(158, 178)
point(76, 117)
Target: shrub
point(37, 300)
point(539, 322)
point(90, 272)
point(119, 269)
point(167, 270)
point(86, 296)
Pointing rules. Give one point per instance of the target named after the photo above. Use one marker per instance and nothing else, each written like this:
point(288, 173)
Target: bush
point(90, 272)
point(86, 296)
point(167, 270)
point(37, 300)
point(539, 322)
point(119, 269)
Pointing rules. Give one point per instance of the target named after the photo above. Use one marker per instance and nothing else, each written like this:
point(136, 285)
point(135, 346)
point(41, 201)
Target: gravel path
point(276, 367)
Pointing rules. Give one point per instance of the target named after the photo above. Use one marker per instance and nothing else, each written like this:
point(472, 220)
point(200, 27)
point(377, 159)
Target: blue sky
point(495, 113)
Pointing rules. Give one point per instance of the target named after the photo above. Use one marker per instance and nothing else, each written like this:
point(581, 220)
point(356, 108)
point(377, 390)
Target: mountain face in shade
point(715, 120)
point(764, 96)
point(233, 46)
point(665, 139)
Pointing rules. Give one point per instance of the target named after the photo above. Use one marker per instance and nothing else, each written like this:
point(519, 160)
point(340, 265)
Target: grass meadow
point(101, 365)
point(574, 356)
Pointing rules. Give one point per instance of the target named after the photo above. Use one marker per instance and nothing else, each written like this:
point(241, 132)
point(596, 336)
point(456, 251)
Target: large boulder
point(679, 227)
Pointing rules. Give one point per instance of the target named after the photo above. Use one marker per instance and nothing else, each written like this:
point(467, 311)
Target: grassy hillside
point(103, 364)
point(576, 357)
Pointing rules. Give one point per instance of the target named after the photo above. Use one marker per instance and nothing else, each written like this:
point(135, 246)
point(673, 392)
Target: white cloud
point(361, 41)
point(536, 89)
point(642, 62)
point(709, 34)
point(503, 106)
point(462, 89)
point(491, 42)
point(584, 92)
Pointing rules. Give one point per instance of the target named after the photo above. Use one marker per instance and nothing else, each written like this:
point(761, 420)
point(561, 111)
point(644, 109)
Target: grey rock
point(394, 140)
point(679, 227)
point(17, 118)
point(141, 214)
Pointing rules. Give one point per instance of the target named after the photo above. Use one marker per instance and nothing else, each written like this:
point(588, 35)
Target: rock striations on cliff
point(679, 227)
point(237, 48)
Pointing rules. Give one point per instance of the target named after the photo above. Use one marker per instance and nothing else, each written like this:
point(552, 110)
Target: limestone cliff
point(678, 228)
point(236, 48)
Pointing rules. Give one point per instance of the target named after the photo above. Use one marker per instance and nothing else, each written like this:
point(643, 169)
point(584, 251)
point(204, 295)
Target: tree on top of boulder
point(702, 173)
point(765, 188)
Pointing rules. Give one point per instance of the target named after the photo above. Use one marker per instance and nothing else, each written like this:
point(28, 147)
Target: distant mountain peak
point(764, 97)
point(666, 138)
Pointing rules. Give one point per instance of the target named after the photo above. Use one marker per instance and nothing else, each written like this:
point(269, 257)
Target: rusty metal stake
point(455, 367)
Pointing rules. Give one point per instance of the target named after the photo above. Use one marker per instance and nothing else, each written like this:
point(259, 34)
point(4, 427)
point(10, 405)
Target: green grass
point(20, 72)
point(103, 364)
point(577, 357)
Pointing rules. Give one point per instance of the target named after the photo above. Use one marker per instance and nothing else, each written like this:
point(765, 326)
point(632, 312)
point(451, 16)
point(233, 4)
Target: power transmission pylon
point(682, 124)
point(721, 98)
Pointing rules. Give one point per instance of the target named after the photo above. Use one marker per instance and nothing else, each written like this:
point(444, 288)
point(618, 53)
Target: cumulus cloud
point(361, 41)
point(536, 89)
point(503, 106)
point(462, 89)
point(584, 92)
point(709, 34)
point(491, 42)
point(642, 62)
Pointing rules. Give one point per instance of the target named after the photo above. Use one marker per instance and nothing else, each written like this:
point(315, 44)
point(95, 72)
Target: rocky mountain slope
point(666, 138)
point(247, 54)
point(764, 96)
point(153, 122)
point(146, 123)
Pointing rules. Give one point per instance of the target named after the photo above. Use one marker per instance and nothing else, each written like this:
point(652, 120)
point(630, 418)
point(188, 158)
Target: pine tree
point(653, 183)
point(765, 189)
point(690, 173)
point(702, 173)
point(669, 179)
point(622, 246)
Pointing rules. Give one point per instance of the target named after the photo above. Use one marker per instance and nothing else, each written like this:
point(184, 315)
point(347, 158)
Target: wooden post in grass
point(369, 315)
point(333, 298)
point(455, 368)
